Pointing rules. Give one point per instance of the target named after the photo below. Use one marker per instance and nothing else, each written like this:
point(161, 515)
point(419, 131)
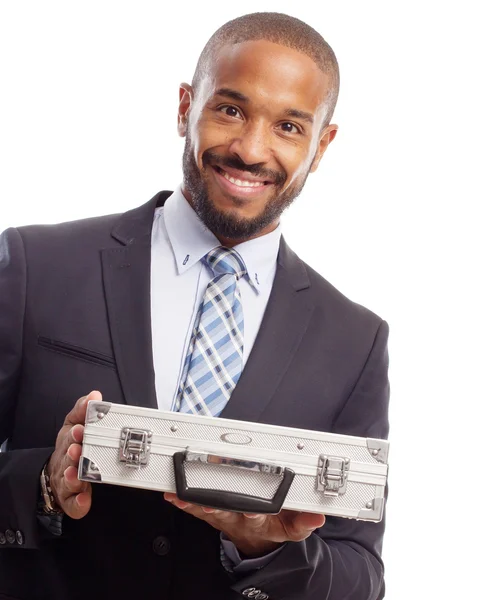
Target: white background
point(88, 100)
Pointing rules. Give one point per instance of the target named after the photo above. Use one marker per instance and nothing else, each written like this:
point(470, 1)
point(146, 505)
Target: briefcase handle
point(232, 501)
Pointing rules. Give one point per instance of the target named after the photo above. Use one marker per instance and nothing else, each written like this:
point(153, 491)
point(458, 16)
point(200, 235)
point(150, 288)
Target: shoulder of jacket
point(333, 299)
point(71, 237)
point(79, 226)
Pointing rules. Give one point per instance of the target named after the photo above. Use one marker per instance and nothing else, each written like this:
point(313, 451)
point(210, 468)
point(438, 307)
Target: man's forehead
point(266, 71)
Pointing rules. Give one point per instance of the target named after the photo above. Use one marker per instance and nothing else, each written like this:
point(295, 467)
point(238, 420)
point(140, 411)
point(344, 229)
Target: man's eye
point(230, 111)
point(289, 128)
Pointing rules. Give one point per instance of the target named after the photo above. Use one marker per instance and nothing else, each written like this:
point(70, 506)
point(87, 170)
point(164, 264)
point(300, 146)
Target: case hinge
point(332, 475)
point(135, 447)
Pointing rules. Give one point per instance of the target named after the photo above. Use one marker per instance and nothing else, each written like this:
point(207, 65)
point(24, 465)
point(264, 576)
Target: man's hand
point(72, 495)
point(255, 535)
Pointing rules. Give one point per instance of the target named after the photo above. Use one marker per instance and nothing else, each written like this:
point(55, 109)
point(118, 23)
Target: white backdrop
point(88, 105)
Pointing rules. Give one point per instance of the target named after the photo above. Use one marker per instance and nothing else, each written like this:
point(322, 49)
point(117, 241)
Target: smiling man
point(192, 302)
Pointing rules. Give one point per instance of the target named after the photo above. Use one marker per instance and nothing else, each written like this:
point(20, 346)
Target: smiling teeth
point(242, 183)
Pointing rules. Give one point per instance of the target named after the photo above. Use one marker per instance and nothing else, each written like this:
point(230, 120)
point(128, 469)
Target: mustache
point(258, 170)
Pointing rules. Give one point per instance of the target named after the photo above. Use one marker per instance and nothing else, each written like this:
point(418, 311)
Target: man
point(112, 304)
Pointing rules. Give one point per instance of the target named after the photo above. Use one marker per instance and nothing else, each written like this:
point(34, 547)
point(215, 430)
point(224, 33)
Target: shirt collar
point(191, 240)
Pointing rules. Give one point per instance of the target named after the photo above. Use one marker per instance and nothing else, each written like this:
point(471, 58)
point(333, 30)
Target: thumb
point(78, 412)
point(94, 395)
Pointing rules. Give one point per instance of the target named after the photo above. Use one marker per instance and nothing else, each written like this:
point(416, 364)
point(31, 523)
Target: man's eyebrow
point(299, 114)
point(232, 94)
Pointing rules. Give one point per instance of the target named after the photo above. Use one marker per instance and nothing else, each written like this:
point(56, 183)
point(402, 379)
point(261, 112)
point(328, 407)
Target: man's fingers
point(76, 434)
point(70, 436)
point(255, 521)
point(212, 515)
point(78, 412)
point(225, 516)
point(169, 496)
point(215, 517)
point(72, 495)
point(77, 506)
point(309, 521)
point(75, 495)
point(73, 454)
point(300, 525)
point(72, 483)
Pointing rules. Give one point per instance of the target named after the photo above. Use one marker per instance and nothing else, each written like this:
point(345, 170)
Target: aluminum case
point(234, 465)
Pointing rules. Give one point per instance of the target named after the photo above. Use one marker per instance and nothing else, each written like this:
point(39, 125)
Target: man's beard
point(230, 225)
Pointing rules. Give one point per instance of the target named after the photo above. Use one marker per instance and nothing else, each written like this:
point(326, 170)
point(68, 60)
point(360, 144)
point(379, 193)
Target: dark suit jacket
point(75, 316)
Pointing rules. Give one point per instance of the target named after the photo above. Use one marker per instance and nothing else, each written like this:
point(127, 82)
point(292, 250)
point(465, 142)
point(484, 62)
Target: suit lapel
point(126, 277)
point(284, 324)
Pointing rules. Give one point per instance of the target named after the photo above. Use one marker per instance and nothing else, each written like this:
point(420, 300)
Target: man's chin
point(234, 208)
point(226, 221)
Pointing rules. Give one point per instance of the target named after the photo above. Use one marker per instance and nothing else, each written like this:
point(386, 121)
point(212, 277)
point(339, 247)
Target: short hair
point(280, 29)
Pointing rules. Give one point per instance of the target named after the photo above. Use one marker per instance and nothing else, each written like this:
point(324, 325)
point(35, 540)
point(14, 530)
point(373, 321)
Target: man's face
point(253, 134)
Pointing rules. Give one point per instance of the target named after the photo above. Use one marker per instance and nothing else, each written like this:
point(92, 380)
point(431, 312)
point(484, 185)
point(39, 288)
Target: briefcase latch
point(135, 447)
point(332, 475)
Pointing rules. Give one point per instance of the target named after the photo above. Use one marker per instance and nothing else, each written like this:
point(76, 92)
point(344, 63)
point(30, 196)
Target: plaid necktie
point(214, 358)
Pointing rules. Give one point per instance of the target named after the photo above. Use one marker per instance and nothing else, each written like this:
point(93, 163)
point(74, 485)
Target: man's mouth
point(241, 182)
point(241, 179)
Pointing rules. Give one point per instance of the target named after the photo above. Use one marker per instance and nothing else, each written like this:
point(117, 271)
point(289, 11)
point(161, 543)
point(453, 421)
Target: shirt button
point(3, 539)
point(161, 545)
point(19, 537)
point(10, 535)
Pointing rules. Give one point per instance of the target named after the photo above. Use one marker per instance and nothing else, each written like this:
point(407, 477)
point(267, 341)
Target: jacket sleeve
point(19, 469)
point(341, 559)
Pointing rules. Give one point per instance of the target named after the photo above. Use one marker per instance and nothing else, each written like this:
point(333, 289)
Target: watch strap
point(48, 503)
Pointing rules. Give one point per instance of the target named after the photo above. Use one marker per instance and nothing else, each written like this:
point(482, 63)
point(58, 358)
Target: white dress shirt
point(178, 282)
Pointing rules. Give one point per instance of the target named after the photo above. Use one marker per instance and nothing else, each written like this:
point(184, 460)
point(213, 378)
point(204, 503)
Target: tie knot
point(225, 260)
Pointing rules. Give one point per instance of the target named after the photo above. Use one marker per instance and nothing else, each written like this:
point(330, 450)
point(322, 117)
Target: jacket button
point(10, 535)
point(251, 592)
point(19, 537)
point(161, 545)
point(3, 539)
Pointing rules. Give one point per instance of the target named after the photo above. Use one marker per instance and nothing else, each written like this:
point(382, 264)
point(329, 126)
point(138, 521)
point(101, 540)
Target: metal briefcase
point(234, 465)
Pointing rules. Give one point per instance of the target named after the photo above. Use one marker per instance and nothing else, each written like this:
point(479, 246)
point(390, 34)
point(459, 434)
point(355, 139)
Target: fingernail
point(78, 500)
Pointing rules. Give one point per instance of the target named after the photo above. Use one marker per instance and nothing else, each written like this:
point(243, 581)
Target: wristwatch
point(48, 502)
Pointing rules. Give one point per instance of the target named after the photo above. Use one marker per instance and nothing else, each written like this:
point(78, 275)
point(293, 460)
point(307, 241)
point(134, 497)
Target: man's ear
point(328, 135)
point(186, 96)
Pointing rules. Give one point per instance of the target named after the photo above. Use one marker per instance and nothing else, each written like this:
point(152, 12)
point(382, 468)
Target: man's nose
point(252, 144)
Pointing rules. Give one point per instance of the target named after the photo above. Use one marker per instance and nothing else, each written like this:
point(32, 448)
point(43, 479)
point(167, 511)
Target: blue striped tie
point(214, 358)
